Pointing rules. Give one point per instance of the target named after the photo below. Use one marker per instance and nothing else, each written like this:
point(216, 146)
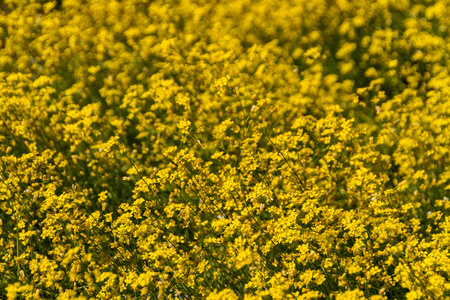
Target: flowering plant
point(224, 149)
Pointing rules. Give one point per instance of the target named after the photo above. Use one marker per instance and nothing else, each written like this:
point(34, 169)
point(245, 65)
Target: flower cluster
point(237, 149)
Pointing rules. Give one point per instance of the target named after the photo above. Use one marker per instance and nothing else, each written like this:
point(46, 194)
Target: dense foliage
point(240, 149)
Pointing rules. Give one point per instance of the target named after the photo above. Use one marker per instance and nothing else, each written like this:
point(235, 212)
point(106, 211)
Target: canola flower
point(224, 149)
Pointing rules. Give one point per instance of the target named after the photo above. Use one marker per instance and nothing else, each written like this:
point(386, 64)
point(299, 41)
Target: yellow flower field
point(211, 149)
